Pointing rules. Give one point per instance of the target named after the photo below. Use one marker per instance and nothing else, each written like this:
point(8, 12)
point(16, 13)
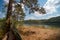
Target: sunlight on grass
point(39, 33)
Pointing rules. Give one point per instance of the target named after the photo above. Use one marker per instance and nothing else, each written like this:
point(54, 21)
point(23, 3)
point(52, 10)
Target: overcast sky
point(52, 8)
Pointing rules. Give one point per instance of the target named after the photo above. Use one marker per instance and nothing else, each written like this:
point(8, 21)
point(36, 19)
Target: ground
point(38, 33)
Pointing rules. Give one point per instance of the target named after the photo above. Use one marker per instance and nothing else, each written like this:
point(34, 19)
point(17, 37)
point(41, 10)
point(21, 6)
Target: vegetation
point(18, 14)
point(45, 21)
point(51, 21)
point(54, 19)
point(39, 33)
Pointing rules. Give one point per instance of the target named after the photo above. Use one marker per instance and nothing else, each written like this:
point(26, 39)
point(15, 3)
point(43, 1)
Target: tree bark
point(8, 16)
point(8, 23)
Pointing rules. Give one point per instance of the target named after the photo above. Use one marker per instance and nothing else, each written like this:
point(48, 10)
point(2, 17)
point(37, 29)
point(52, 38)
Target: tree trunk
point(8, 16)
point(10, 33)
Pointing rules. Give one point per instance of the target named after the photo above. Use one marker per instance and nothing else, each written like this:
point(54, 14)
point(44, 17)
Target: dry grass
point(38, 33)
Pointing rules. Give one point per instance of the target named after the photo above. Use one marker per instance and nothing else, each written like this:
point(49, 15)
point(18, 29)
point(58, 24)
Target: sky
point(52, 8)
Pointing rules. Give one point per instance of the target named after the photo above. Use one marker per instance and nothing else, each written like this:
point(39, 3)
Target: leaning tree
point(16, 11)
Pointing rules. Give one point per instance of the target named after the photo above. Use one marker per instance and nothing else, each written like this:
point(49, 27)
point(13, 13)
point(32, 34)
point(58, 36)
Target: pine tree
point(18, 12)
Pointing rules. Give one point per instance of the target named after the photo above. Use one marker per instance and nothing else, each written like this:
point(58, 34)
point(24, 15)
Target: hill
point(54, 20)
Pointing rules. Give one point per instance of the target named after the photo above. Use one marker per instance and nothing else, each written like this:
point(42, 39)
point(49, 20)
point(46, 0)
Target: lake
point(43, 25)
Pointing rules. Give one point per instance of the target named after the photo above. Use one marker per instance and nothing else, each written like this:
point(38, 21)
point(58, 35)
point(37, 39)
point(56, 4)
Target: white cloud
point(51, 6)
point(1, 14)
point(29, 17)
point(37, 14)
point(6, 1)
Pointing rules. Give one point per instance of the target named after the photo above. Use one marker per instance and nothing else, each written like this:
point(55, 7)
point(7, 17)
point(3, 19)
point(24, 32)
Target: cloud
point(29, 17)
point(1, 15)
point(51, 6)
point(6, 1)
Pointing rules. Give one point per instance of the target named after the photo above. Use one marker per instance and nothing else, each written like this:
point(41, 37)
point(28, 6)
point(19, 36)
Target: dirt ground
point(37, 33)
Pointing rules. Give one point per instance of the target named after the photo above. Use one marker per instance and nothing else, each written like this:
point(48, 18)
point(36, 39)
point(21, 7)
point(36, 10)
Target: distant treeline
point(53, 21)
